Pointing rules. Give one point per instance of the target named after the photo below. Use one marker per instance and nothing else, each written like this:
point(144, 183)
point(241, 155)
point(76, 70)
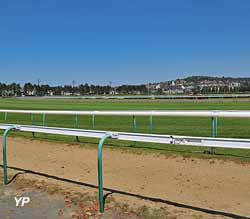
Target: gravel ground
point(50, 201)
point(40, 206)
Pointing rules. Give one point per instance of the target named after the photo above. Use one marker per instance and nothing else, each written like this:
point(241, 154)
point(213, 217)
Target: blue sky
point(123, 41)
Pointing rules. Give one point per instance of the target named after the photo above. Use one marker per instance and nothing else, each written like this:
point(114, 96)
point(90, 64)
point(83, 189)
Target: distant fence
point(121, 97)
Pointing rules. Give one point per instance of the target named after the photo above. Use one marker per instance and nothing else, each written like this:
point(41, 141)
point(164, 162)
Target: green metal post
point(93, 121)
point(100, 178)
point(32, 119)
point(216, 127)
point(4, 141)
point(44, 117)
point(5, 116)
point(76, 126)
point(134, 124)
point(151, 124)
point(33, 123)
point(212, 126)
point(214, 131)
point(76, 121)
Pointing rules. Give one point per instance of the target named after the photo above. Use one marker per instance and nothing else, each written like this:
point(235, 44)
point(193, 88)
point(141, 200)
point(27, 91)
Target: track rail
point(193, 113)
point(149, 138)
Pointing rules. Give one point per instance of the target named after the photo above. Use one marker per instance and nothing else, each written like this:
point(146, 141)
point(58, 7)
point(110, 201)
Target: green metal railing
point(4, 141)
point(99, 158)
point(214, 124)
point(100, 178)
point(100, 172)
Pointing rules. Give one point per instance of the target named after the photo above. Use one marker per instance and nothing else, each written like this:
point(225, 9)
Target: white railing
point(193, 113)
point(149, 138)
point(203, 96)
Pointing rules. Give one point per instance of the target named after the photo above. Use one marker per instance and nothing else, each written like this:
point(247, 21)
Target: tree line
point(29, 89)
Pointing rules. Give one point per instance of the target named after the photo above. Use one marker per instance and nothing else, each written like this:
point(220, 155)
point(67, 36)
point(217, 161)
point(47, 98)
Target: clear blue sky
point(124, 41)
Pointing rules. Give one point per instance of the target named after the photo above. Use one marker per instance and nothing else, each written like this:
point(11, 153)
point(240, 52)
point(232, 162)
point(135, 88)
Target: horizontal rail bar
point(150, 138)
point(192, 113)
point(141, 96)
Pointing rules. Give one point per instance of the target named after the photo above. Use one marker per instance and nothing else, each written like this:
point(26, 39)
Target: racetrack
point(209, 184)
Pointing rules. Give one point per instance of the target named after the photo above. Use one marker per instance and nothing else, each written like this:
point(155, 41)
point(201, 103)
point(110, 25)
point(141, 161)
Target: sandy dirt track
point(210, 184)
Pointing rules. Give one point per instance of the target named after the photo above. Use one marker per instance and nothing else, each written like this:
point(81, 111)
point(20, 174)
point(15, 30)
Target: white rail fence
point(149, 138)
point(213, 114)
point(192, 113)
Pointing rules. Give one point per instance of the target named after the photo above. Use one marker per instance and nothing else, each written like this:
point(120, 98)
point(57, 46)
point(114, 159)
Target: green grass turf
point(193, 126)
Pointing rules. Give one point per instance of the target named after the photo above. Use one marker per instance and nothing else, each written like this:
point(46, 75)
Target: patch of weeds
point(160, 213)
point(195, 216)
point(144, 212)
point(109, 199)
point(53, 189)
